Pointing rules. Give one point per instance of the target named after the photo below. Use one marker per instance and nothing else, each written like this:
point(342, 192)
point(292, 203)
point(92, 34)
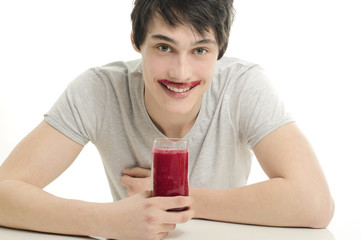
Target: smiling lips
point(178, 87)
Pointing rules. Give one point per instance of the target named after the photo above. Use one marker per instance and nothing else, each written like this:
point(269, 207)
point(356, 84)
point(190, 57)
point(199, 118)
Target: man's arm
point(36, 161)
point(297, 193)
point(41, 157)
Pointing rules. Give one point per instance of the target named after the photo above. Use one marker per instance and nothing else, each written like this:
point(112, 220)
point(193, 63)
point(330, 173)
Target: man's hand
point(143, 217)
point(136, 180)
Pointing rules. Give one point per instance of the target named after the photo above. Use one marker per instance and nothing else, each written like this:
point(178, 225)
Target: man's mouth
point(178, 90)
point(178, 87)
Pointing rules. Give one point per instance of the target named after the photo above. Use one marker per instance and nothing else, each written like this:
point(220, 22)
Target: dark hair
point(201, 15)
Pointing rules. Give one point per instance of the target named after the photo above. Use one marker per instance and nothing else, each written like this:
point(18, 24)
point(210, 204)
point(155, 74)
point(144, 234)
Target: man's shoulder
point(233, 64)
point(120, 68)
point(105, 79)
point(233, 71)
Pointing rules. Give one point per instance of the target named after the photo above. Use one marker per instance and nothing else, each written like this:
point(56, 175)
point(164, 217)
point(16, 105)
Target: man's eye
point(164, 48)
point(200, 51)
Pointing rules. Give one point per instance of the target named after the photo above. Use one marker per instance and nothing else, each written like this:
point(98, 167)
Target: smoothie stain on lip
point(178, 90)
point(179, 85)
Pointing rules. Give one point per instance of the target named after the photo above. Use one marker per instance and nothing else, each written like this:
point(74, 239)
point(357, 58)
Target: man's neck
point(175, 130)
point(173, 125)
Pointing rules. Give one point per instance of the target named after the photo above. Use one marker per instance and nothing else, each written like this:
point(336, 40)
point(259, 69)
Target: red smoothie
point(170, 173)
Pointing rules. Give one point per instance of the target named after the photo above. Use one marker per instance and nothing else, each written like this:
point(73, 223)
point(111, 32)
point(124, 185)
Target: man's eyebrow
point(205, 41)
point(163, 37)
point(170, 40)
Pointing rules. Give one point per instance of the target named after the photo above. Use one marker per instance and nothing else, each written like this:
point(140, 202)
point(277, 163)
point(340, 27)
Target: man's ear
point(133, 44)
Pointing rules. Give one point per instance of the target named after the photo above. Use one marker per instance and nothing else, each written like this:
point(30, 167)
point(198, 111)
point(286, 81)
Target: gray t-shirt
point(105, 105)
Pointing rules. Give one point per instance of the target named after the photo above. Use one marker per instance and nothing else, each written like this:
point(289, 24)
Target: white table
point(200, 230)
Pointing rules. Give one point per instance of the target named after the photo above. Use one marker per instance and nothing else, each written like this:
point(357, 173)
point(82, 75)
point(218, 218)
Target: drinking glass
point(170, 167)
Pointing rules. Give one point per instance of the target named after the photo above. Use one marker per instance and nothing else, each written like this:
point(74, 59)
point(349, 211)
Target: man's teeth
point(178, 90)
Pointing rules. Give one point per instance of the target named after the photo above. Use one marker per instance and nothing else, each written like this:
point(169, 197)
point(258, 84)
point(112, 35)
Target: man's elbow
point(322, 211)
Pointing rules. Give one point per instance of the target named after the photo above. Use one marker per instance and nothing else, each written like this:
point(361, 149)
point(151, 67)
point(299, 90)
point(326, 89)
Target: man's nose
point(181, 69)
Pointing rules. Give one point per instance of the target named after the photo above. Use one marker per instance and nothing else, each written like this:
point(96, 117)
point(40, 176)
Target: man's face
point(178, 66)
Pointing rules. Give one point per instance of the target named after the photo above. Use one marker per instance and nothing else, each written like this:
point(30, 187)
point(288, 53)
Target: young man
point(183, 87)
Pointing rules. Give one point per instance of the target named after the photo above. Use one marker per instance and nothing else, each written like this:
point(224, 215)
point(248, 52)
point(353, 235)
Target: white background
point(312, 50)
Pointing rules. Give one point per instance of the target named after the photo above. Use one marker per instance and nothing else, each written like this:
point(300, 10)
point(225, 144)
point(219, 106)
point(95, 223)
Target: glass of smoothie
point(170, 167)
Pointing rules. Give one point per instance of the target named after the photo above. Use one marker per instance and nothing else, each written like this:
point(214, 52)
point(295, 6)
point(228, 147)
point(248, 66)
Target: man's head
point(201, 15)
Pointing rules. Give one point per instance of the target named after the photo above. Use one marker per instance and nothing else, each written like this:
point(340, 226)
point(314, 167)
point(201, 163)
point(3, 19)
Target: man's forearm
point(28, 207)
point(275, 202)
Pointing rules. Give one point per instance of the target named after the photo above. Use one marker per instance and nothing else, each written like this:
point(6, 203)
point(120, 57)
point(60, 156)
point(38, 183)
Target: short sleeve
point(78, 113)
point(256, 106)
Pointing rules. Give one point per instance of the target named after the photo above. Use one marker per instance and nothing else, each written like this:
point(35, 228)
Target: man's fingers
point(178, 217)
point(137, 172)
point(125, 180)
point(167, 227)
point(166, 203)
point(146, 194)
point(161, 235)
point(135, 184)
